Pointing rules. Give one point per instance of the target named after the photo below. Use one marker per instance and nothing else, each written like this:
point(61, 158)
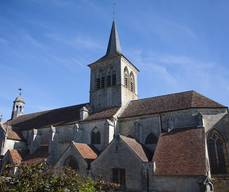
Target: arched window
point(151, 139)
point(113, 77)
point(126, 77)
point(95, 136)
point(109, 79)
point(97, 83)
point(71, 162)
point(102, 80)
point(216, 154)
point(132, 82)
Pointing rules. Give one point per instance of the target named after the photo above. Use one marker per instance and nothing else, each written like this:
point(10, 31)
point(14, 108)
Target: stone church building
point(175, 143)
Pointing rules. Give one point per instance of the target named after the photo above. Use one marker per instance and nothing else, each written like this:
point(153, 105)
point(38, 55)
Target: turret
point(18, 106)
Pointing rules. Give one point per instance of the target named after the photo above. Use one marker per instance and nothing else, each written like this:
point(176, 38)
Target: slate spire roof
point(114, 46)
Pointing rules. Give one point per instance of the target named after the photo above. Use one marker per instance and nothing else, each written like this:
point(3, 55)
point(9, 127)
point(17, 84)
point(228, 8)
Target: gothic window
point(113, 78)
point(132, 82)
point(126, 77)
point(212, 155)
point(98, 83)
point(216, 153)
point(151, 139)
point(221, 158)
point(95, 136)
point(119, 176)
point(72, 163)
point(103, 82)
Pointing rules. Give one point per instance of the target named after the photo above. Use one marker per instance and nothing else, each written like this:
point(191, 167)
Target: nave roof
point(167, 103)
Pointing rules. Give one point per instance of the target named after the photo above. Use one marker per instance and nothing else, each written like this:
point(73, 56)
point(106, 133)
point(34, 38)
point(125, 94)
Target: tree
point(40, 178)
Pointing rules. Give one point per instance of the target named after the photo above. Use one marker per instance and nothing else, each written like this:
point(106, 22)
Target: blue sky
point(46, 45)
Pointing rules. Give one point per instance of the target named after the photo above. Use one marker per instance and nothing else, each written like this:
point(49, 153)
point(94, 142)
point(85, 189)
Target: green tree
point(40, 178)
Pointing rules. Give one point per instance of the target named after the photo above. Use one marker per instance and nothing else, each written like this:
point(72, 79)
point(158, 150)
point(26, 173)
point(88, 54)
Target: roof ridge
point(154, 97)
point(45, 111)
point(134, 140)
point(195, 93)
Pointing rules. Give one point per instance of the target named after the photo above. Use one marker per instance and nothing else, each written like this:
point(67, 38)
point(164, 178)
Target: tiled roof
point(47, 118)
point(14, 156)
point(11, 134)
point(105, 114)
point(170, 102)
point(40, 155)
point(85, 150)
point(17, 157)
point(181, 152)
point(136, 147)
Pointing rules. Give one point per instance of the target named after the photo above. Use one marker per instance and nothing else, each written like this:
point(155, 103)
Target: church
point(176, 142)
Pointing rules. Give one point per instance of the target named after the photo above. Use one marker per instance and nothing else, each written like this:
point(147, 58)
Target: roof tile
point(170, 102)
point(136, 147)
point(11, 134)
point(40, 155)
point(85, 150)
point(47, 118)
point(105, 114)
point(15, 156)
point(181, 152)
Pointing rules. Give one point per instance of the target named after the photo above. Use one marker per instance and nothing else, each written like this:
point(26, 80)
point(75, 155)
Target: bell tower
point(113, 77)
point(18, 105)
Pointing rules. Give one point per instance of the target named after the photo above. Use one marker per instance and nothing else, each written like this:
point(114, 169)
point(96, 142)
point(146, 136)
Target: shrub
point(39, 178)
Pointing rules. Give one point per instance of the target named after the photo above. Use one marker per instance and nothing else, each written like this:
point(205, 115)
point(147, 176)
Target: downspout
point(160, 122)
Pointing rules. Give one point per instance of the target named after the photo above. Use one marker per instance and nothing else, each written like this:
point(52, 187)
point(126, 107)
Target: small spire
point(114, 43)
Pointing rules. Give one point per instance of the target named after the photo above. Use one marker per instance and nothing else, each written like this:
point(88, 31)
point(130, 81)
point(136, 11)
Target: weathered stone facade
point(123, 139)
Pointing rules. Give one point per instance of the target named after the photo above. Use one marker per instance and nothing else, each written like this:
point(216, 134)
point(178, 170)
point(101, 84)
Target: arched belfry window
point(151, 139)
point(71, 162)
point(126, 77)
point(114, 78)
point(102, 80)
point(95, 136)
point(97, 83)
point(132, 82)
point(216, 152)
point(109, 79)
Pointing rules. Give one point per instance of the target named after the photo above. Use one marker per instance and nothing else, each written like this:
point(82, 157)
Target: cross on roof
point(114, 6)
point(20, 91)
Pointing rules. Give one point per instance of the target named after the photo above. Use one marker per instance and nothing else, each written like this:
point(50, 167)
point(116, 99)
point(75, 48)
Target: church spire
point(114, 43)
